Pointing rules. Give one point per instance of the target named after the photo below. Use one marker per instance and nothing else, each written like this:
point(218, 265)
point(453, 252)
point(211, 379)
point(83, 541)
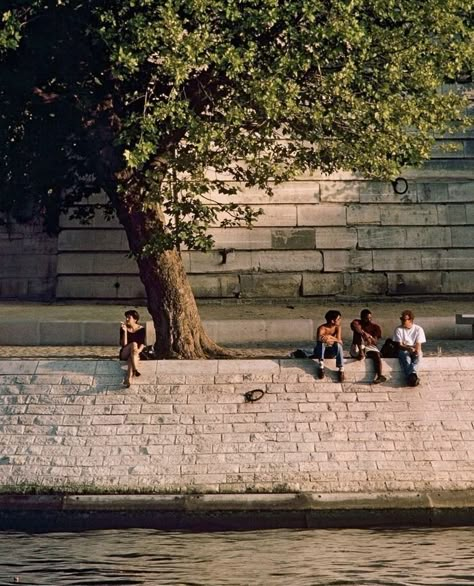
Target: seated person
point(329, 343)
point(410, 337)
point(132, 342)
point(364, 342)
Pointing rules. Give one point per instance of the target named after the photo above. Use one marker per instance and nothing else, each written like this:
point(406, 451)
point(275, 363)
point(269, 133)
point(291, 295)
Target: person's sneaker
point(340, 376)
point(413, 380)
point(320, 372)
point(379, 379)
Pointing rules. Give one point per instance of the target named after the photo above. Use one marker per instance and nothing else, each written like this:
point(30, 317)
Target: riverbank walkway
point(186, 431)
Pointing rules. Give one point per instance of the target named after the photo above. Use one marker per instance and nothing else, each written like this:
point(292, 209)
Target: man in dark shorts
point(364, 342)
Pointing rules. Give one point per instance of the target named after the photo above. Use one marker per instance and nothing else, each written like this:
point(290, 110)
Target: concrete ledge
point(235, 512)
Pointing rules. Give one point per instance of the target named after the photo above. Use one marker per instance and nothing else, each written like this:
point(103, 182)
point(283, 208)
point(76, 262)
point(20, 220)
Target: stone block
point(381, 237)
point(450, 214)
point(96, 263)
point(363, 214)
point(41, 288)
point(13, 288)
point(429, 237)
point(366, 284)
point(432, 192)
point(298, 191)
point(277, 215)
point(402, 215)
point(347, 260)
point(414, 283)
point(470, 213)
point(461, 191)
point(336, 238)
point(100, 333)
point(242, 238)
point(324, 284)
point(460, 282)
point(60, 333)
point(396, 260)
point(450, 259)
point(17, 333)
point(340, 191)
point(28, 266)
point(88, 240)
point(383, 192)
point(292, 239)
point(261, 286)
point(281, 261)
point(322, 215)
point(462, 236)
point(100, 287)
point(213, 261)
point(98, 221)
point(215, 286)
point(233, 332)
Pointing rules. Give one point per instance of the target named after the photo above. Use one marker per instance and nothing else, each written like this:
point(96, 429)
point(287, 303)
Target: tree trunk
point(170, 300)
point(171, 303)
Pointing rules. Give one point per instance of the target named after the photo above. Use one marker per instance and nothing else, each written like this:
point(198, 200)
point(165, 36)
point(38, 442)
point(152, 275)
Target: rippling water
point(295, 558)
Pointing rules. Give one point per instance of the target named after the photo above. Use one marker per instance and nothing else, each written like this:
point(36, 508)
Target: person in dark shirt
point(132, 342)
point(366, 335)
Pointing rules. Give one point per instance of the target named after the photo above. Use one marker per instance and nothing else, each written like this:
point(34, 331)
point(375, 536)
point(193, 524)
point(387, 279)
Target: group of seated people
point(407, 338)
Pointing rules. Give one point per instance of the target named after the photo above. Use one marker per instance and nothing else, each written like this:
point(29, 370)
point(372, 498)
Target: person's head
point(366, 315)
point(407, 317)
point(333, 316)
point(132, 314)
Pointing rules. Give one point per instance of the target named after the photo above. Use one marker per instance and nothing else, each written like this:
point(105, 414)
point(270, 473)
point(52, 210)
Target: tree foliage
point(180, 95)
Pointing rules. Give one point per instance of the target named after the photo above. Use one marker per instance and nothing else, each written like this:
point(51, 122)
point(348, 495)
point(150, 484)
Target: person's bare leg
point(126, 353)
point(135, 359)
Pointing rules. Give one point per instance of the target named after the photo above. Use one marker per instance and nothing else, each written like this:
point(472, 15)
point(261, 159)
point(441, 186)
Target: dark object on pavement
point(389, 349)
point(252, 396)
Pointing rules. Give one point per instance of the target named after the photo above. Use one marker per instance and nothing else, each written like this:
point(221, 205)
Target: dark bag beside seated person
point(389, 349)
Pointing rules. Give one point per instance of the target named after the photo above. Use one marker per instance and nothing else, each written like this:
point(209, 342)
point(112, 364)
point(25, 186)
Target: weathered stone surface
point(293, 239)
point(100, 287)
point(462, 236)
point(403, 215)
point(363, 214)
point(450, 214)
point(397, 260)
point(414, 283)
point(299, 191)
point(277, 215)
point(100, 240)
point(96, 263)
point(98, 221)
point(381, 237)
point(451, 259)
point(366, 284)
point(429, 237)
point(461, 191)
point(322, 284)
point(458, 282)
point(322, 215)
point(287, 285)
point(283, 261)
point(215, 286)
point(470, 214)
point(242, 238)
point(382, 192)
point(213, 261)
point(347, 260)
point(336, 238)
point(340, 191)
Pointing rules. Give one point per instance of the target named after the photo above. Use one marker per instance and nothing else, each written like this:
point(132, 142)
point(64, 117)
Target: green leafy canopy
point(200, 92)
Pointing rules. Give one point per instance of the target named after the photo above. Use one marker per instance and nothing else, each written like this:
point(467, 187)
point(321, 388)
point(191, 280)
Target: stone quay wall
point(317, 237)
point(186, 427)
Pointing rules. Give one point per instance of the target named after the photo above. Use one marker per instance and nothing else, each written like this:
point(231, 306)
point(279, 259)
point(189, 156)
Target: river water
point(335, 557)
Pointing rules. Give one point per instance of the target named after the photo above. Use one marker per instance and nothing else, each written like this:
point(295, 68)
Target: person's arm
point(417, 349)
point(338, 334)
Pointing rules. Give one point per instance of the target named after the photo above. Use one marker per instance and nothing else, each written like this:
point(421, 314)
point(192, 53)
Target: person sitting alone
point(329, 343)
point(132, 342)
point(364, 342)
point(410, 337)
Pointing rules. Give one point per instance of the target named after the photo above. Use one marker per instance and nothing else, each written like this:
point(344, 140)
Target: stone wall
point(28, 262)
point(317, 237)
point(186, 427)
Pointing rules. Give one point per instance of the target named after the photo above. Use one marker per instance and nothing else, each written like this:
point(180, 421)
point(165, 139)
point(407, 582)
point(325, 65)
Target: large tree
point(156, 102)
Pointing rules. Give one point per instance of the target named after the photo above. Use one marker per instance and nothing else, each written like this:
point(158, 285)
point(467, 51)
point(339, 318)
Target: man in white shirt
point(409, 337)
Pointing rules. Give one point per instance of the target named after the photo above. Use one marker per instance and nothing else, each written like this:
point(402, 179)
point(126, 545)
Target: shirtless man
point(329, 343)
point(364, 342)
